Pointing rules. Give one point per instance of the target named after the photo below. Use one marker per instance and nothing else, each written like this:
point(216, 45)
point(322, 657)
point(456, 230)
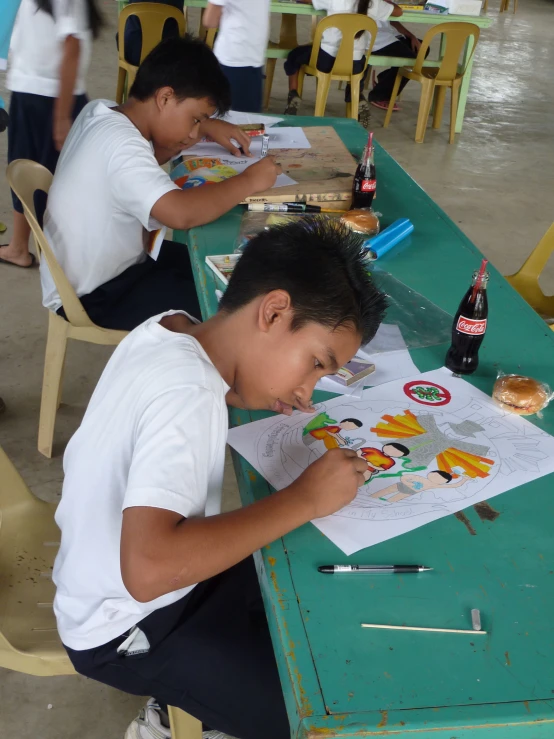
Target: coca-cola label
point(472, 326)
point(369, 185)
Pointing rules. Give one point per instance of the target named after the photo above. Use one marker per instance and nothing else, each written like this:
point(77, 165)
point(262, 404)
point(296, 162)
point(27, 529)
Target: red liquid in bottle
point(365, 182)
point(468, 329)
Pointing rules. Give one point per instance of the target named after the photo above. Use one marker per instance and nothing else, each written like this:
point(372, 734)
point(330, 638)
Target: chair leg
point(323, 85)
point(301, 76)
point(427, 91)
point(121, 75)
point(454, 110)
point(353, 108)
point(269, 72)
point(56, 345)
point(393, 97)
point(440, 97)
point(183, 725)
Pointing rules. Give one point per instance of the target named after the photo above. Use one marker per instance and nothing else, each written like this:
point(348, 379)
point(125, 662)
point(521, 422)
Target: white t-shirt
point(379, 10)
point(107, 181)
point(153, 435)
point(37, 44)
point(243, 32)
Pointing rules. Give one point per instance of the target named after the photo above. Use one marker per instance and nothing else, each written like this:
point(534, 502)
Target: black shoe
point(293, 103)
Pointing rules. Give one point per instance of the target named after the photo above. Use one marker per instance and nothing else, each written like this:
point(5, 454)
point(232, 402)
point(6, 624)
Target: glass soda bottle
point(469, 326)
point(365, 182)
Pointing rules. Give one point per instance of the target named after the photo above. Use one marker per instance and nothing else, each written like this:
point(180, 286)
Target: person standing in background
point(240, 47)
point(49, 58)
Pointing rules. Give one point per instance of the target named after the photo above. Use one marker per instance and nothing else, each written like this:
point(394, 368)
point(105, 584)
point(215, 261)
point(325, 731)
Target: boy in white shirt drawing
point(109, 192)
point(240, 46)
point(156, 589)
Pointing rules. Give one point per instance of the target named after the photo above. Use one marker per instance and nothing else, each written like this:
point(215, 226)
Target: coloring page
point(433, 444)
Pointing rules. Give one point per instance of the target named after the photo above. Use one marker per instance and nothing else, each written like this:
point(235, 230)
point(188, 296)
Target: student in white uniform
point(49, 58)
point(109, 194)
point(379, 10)
point(157, 592)
point(240, 47)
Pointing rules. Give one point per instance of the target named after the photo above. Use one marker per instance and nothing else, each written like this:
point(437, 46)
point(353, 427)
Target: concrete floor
point(496, 182)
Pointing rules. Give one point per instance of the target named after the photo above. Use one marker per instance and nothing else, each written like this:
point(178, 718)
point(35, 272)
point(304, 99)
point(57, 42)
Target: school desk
point(288, 39)
point(340, 680)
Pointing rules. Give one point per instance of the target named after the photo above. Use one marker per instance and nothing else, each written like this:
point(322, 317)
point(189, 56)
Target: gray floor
point(496, 182)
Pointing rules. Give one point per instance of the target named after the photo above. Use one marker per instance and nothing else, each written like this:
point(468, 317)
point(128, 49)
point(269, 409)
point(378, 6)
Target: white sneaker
point(147, 724)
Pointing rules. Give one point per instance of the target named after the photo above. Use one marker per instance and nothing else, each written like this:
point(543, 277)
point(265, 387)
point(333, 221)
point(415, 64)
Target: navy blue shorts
point(30, 130)
point(301, 55)
point(246, 87)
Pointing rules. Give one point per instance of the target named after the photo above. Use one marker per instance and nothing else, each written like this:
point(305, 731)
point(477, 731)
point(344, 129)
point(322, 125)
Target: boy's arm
point(212, 16)
point(414, 41)
point(184, 209)
point(162, 552)
point(63, 106)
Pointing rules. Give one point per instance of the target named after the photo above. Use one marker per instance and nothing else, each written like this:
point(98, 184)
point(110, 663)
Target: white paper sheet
point(238, 118)
point(450, 429)
point(279, 138)
point(332, 386)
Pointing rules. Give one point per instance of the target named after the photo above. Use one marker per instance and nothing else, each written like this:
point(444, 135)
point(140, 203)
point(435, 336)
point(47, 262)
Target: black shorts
point(30, 131)
point(301, 55)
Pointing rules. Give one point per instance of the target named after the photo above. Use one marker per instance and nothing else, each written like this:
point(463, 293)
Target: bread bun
point(521, 395)
point(361, 221)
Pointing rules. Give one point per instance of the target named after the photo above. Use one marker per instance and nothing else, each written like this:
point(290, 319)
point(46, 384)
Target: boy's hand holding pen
point(263, 174)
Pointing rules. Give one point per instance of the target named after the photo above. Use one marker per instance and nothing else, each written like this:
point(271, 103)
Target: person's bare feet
point(21, 257)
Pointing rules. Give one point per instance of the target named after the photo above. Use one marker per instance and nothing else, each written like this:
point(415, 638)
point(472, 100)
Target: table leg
point(287, 35)
point(464, 88)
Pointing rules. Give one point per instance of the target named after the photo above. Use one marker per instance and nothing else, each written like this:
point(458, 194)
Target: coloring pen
point(290, 208)
point(392, 569)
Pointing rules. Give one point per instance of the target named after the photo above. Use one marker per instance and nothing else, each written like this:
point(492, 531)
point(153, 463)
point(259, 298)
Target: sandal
point(384, 105)
point(21, 266)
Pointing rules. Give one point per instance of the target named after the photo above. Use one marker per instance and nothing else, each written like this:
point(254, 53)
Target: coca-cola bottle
point(365, 182)
point(470, 324)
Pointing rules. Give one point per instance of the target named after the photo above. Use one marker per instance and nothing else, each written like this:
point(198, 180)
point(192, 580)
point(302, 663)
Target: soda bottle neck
point(367, 157)
point(484, 281)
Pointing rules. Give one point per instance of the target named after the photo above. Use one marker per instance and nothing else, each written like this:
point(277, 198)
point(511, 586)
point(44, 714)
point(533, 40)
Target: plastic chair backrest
point(152, 18)
point(349, 24)
point(456, 36)
point(526, 280)
point(25, 178)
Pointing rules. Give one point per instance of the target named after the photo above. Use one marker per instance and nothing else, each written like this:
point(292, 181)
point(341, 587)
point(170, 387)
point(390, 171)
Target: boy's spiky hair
point(320, 265)
point(187, 65)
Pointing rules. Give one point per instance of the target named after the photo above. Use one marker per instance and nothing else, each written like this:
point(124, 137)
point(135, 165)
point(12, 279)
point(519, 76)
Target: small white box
point(465, 7)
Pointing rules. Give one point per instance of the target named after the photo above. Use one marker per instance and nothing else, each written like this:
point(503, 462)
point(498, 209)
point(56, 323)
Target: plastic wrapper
point(254, 222)
point(521, 395)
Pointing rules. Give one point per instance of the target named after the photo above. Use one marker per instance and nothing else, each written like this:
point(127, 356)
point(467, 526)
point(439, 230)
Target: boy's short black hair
point(187, 65)
point(447, 476)
point(355, 421)
point(320, 264)
point(399, 447)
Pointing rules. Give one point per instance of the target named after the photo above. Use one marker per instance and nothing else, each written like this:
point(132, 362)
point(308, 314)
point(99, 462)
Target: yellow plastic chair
point(25, 178)
point(152, 18)
point(435, 80)
point(29, 541)
point(349, 24)
point(526, 281)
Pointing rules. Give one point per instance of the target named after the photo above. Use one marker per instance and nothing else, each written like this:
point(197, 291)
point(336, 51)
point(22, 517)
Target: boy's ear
point(163, 96)
point(275, 307)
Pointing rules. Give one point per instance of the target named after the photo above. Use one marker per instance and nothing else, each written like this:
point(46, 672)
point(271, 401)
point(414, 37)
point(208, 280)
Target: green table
point(340, 680)
point(288, 41)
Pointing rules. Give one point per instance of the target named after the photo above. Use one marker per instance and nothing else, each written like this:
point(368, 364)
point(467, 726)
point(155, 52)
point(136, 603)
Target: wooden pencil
point(421, 628)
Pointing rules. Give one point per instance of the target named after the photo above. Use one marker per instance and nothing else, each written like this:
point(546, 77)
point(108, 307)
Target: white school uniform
point(153, 435)
point(243, 32)
point(379, 10)
point(106, 183)
point(36, 47)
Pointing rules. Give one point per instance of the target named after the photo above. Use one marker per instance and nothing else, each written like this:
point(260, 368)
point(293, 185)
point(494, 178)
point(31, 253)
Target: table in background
point(340, 680)
point(288, 39)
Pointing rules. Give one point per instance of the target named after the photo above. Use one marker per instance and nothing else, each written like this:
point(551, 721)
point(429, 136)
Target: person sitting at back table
point(109, 192)
point(378, 10)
